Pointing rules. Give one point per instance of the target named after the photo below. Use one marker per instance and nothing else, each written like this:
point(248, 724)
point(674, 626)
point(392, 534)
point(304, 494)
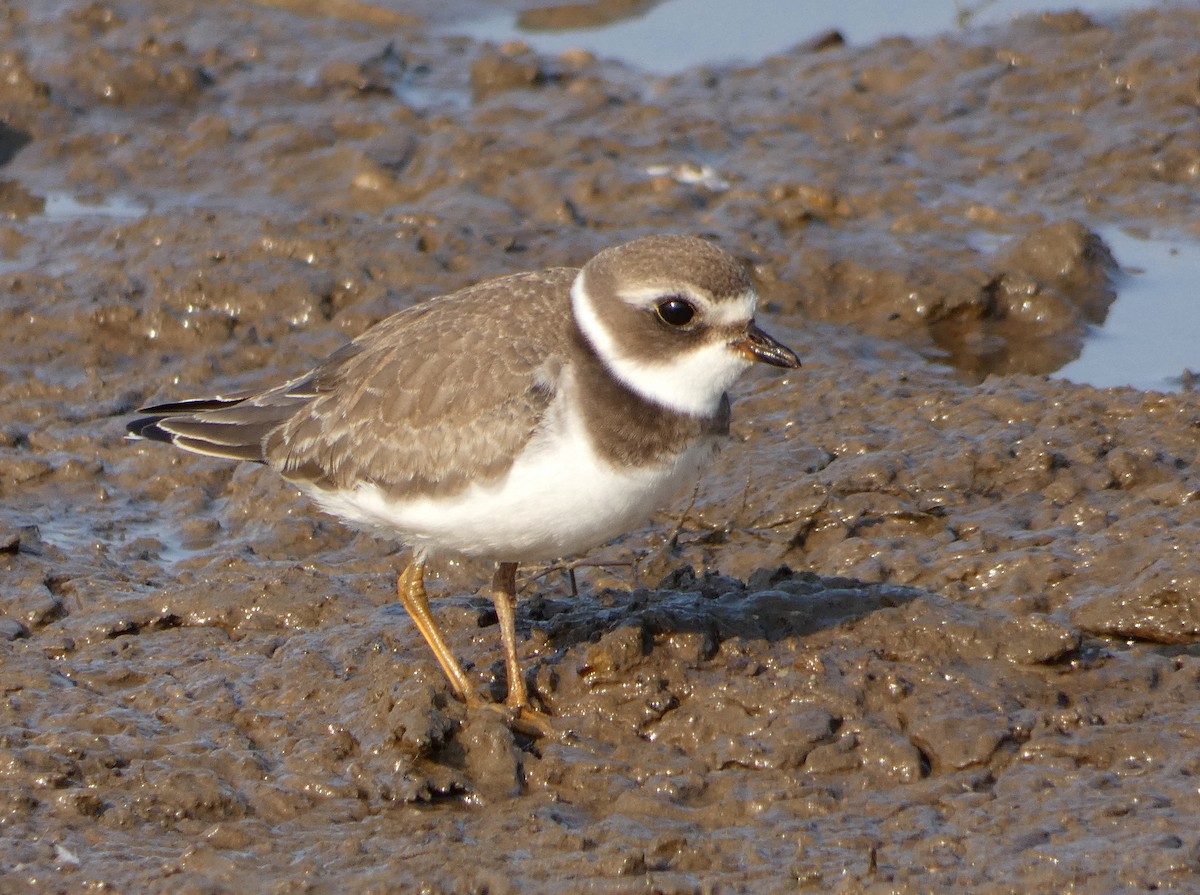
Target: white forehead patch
point(690, 383)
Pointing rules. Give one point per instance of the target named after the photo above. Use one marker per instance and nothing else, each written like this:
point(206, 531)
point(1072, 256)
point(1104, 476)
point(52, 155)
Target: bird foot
point(522, 719)
point(534, 724)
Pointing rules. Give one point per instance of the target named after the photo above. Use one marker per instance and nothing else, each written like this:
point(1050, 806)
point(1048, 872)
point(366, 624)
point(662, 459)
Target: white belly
point(559, 499)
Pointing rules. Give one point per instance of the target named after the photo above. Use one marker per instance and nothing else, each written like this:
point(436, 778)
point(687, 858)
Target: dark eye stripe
point(675, 311)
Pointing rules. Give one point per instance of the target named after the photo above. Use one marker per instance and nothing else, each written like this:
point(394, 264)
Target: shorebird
point(523, 419)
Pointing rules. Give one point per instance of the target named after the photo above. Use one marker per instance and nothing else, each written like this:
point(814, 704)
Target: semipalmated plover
point(526, 418)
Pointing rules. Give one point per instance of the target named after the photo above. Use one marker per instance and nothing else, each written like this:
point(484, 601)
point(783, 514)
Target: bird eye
point(675, 311)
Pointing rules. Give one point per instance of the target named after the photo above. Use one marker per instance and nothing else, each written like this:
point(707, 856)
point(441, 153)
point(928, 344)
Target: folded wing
point(428, 400)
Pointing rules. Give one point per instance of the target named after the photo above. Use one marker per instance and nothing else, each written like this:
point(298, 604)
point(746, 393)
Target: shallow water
point(673, 36)
point(1151, 337)
point(65, 206)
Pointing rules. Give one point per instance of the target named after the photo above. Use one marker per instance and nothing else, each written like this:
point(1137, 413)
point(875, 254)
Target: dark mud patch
point(937, 636)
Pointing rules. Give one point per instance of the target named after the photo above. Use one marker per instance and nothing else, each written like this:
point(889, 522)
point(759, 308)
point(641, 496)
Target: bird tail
point(232, 427)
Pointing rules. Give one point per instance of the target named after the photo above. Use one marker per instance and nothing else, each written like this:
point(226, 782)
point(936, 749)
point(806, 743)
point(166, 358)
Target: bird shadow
point(771, 605)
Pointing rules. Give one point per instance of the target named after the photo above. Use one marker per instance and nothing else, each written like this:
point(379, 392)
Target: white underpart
point(559, 499)
point(692, 382)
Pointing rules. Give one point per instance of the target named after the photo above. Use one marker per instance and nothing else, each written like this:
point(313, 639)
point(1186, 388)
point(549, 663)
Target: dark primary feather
point(233, 428)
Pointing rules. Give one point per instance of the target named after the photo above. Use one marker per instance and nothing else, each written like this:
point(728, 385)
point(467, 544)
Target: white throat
point(690, 383)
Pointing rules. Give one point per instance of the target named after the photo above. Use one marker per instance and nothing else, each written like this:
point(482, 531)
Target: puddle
point(11, 265)
point(74, 532)
point(1152, 335)
point(62, 206)
point(670, 37)
point(55, 208)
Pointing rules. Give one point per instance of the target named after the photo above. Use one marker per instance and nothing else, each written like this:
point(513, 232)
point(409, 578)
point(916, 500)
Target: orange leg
point(504, 594)
point(411, 590)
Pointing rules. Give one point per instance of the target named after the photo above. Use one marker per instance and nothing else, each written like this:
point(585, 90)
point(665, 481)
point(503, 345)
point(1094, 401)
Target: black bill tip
point(756, 345)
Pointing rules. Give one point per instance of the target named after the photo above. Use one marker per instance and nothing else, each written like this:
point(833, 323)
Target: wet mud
point(930, 622)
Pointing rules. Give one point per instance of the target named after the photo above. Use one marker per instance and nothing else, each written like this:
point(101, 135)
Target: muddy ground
point(930, 624)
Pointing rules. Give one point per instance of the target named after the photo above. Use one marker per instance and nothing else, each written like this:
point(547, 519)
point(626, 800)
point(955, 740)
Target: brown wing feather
point(434, 397)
